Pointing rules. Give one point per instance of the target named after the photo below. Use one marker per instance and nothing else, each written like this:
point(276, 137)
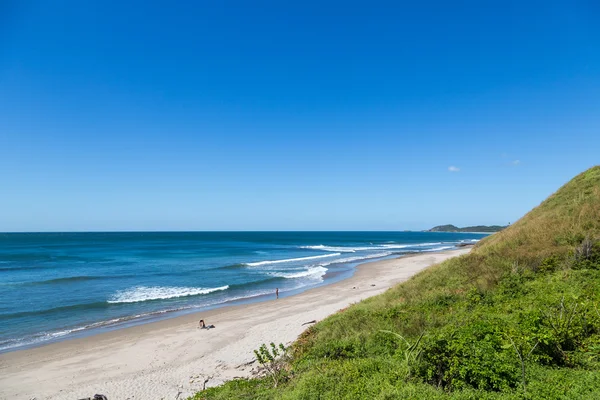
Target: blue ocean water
point(59, 285)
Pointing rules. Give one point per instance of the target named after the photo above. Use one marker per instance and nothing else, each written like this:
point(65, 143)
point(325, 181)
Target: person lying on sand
point(202, 325)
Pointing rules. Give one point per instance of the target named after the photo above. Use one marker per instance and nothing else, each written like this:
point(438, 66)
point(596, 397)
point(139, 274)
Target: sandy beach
point(172, 359)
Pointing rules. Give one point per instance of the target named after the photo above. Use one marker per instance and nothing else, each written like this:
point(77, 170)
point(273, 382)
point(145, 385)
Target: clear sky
point(253, 115)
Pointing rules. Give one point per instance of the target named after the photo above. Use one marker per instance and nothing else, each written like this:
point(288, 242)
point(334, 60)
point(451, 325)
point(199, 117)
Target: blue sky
point(260, 115)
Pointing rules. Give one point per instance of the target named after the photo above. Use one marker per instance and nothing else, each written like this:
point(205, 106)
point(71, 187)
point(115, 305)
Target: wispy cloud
point(507, 160)
point(452, 168)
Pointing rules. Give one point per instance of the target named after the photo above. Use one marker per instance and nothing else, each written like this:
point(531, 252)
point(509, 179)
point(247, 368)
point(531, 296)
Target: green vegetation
point(518, 317)
point(273, 360)
point(478, 228)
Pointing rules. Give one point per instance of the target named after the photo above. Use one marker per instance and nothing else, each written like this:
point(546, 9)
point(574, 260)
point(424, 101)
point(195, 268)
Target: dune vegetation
point(518, 317)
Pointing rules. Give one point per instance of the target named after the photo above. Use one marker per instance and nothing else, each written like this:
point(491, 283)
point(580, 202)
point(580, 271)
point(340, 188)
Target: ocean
point(55, 286)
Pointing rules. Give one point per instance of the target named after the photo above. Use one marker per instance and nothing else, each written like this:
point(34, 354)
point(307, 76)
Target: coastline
point(171, 358)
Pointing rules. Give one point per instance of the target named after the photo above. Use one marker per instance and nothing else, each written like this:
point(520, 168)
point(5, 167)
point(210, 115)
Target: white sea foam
point(357, 258)
point(343, 249)
point(440, 248)
point(46, 336)
point(316, 272)
point(144, 293)
point(355, 249)
point(250, 295)
point(268, 262)
point(403, 246)
point(330, 248)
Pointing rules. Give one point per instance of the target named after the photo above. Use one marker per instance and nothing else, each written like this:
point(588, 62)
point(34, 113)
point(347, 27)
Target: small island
point(478, 228)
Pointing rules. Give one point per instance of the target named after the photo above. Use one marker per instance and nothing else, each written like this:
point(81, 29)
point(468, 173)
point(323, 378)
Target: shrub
point(567, 325)
point(273, 361)
point(473, 355)
point(587, 255)
point(549, 264)
point(337, 349)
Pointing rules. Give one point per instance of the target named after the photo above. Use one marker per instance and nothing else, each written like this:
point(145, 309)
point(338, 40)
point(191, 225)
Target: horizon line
point(228, 231)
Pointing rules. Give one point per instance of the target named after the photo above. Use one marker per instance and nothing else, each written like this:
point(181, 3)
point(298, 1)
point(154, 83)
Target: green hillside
point(518, 317)
point(477, 228)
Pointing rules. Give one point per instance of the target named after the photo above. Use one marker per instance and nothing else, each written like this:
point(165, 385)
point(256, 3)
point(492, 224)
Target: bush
point(549, 264)
point(339, 349)
point(273, 360)
point(564, 328)
point(473, 355)
point(587, 255)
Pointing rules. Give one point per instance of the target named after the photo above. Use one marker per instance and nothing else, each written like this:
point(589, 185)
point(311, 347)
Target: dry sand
point(171, 359)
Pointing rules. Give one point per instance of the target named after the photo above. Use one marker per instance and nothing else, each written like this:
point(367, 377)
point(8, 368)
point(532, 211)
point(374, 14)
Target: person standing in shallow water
point(277, 293)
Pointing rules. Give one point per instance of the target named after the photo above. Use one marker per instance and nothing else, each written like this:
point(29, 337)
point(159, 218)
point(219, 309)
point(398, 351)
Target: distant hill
point(478, 228)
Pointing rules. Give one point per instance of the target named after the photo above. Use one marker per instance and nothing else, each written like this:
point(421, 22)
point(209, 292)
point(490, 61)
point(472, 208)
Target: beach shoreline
point(172, 358)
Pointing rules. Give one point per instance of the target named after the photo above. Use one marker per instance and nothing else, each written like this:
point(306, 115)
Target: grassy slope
point(526, 290)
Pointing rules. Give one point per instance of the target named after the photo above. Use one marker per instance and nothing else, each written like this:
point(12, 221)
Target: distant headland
point(478, 228)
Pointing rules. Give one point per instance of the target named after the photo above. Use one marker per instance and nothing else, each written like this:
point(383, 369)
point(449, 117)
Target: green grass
point(458, 329)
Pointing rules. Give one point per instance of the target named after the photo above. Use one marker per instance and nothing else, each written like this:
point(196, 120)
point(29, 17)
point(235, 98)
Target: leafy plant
point(411, 352)
point(472, 355)
point(568, 325)
point(273, 360)
point(524, 351)
point(587, 255)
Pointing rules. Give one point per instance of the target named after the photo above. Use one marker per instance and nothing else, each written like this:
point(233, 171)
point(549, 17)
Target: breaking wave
point(357, 258)
point(342, 249)
point(146, 293)
point(440, 248)
point(268, 262)
point(311, 272)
